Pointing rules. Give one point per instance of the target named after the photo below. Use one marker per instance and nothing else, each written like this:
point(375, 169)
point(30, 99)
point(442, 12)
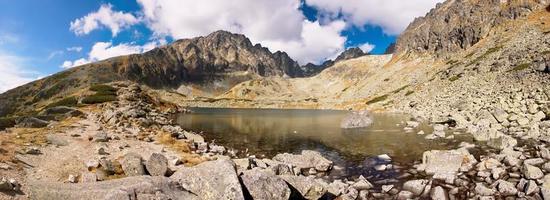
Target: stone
point(157, 165)
point(211, 180)
point(502, 142)
point(362, 184)
point(32, 151)
point(5, 185)
point(544, 153)
point(336, 187)
point(72, 179)
point(137, 187)
point(533, 161)
point(446, 162)
point(88, 177)
point(56, 140)
point(482, 190)
point(102, 137)
point(193, 137)
point(500, 115)
point(412, 124)
point(308, 187)
point(531, 187)
point(507, 189)
point(439, 127)
point(308, 159)
point(532, 172)
point(386, 188)
point(359, 119)
point(405, 195)
point(132, 165)
point(102, 151)
point(415, 186)
point(438, 193)
point(262, 185)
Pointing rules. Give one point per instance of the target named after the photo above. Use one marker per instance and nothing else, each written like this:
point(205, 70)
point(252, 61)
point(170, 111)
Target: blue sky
point(39, 38)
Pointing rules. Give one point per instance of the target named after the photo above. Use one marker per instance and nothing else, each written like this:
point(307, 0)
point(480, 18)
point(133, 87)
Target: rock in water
point(157, 165)
point(446, 162)
point(138, 187)
point(308, 187)
point(262, 185)
point(359, 119)
point(132, 165)
point(211, 180)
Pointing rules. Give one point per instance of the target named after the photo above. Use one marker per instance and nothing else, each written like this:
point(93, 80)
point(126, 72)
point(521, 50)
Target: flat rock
point(446, 162)
point(308, 187)
point(308, 159)
point(211, 180)
point(138, 187)
point(262, 185)
point(31, 122)
point(415, 186)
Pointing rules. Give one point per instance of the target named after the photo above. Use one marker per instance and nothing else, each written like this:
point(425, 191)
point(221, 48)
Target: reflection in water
point(268, 132)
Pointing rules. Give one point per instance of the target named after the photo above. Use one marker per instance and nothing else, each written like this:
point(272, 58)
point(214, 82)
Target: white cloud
point(105, 50)
point(392, 15)
point(104, 17)
point(12, 72)
point(279, 25)
point(367, 47)
point(75, 49)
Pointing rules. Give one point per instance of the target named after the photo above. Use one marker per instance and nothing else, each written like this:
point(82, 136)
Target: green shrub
point(409, 93)
point(521, 67)
point(488, 52)
point(98, 98)
point(102, 88)
point(69, 101)
point(454, 78)
point(469, 55)
point(451, 62)
point(378, 99)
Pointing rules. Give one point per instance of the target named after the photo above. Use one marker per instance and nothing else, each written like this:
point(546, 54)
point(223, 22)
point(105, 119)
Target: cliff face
point(458, 24)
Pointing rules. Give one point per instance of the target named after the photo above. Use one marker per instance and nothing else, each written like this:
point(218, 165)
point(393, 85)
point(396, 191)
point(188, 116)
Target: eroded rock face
point(459, 24)
point(211, 180)
point(138, 187)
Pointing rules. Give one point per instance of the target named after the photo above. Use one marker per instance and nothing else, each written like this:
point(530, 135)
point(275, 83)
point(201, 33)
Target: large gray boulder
point(262, 185)
point(211, 180)
point(132, 164)
point(359, 119)
point(447, 162)
point(130, 188)
point(308, 187)
point(157, 165)
point(307, 160)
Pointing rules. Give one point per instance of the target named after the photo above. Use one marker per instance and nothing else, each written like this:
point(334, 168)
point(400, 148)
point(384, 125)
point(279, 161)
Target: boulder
point(506, 188)
point(211, 180)
point(359, 119)
point(415, 186)
point(56, 140)
point(446, 162)
point(102, 137)
point(60, 110)
point(482, 190)
point(532, 172)
point(308, 187)
point(138, 187)
point(502, 142)
point(157, 165)
point(308, 159)
point(438, 193)
point(262, 185)
point(132, 165)
point(31, 122)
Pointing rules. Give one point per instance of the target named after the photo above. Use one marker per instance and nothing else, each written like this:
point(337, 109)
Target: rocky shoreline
point(151, 167)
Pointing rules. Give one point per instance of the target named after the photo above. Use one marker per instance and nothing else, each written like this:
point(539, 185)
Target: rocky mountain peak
point(458, 24)
point(350, 53)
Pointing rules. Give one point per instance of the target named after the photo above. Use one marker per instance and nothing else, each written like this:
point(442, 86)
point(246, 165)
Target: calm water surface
point(267, 132)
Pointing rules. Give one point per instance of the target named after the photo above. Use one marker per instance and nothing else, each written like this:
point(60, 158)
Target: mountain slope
point(222, 59)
